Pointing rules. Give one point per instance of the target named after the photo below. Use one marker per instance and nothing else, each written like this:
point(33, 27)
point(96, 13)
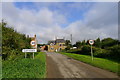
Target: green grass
point(0, 67)
point(98, 62)
point(25, 68)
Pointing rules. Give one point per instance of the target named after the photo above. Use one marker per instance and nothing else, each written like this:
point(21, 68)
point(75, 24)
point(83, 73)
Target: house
point(56, 45)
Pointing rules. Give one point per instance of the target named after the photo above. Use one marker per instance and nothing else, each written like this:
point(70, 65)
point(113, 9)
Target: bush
point(74, 51)
point(101, 53)
point(108, 42)
point(67, 48)
point(114, 52)
point(85, 50)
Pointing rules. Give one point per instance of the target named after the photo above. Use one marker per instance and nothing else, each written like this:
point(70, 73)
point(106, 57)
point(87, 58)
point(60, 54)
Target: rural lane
point(61, 66)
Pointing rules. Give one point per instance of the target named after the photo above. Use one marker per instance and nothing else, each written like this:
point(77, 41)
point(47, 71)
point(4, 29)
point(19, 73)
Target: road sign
point(29, 50)
point(33, 43)
point(91, 42)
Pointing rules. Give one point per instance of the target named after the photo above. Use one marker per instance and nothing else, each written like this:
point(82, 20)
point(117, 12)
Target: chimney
point(27, 36)
point(64, 38)
point(35, 35)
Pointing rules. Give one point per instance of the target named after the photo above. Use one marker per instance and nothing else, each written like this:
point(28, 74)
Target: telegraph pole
point(71, 38)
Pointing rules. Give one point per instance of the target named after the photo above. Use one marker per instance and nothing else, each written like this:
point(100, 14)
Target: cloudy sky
point(84, 20)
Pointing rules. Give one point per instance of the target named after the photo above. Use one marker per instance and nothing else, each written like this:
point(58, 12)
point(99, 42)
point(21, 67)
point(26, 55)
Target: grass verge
point(25, 68)
point(98, 62)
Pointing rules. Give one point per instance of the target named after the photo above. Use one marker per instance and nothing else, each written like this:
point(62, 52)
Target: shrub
point(102, 53)
point(74, 51)
point(114, 51)
point(85, 50)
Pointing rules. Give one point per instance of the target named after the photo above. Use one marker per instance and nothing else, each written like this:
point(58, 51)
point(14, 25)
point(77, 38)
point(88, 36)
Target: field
point(25, 68)
point(98, 62)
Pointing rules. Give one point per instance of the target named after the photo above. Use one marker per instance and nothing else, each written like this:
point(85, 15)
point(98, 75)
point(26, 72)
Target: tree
point(97, 43)
point(78, 44)
point(12, 41)
point(108, 42)
point(67, 42)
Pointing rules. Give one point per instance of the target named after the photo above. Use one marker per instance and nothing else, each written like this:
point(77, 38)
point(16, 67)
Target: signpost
point(33, 43)
point(29, 50)
point(91, 42)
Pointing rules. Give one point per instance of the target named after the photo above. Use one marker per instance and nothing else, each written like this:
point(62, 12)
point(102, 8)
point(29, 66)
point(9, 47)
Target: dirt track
point(61, 66)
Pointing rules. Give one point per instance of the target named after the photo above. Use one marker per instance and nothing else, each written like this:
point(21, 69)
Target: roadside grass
point(0, 67)
point(98, 62)
point(25, 68)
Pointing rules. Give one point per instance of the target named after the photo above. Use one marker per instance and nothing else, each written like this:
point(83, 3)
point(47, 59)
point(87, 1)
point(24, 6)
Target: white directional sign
point(91, 42)
point(29, 50)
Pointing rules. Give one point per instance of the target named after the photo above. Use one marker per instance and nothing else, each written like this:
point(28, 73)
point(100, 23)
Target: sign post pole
point(25, 55)
point(91, 53)
point(91, 42)
point(33, 55)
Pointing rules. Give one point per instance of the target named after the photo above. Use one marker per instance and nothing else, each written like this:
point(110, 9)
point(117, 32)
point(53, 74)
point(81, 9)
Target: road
point(61, 66)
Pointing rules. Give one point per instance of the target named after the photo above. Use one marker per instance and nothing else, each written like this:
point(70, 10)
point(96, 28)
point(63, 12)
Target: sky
point(48, 20)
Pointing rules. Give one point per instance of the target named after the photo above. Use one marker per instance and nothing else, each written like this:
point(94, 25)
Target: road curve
point(61, 66)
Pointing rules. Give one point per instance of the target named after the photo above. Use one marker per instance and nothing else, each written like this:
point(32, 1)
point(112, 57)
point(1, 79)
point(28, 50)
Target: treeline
point(105, 48)
point(12, 42)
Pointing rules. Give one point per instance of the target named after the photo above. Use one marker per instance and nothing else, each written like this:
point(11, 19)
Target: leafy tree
point(67, 42)
point(83, 42)
point(12, 42)
point(78, 44)
point(108, 42)
point(97, 43)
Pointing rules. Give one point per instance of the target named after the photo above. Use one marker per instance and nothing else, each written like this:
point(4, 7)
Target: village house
point(56, 45)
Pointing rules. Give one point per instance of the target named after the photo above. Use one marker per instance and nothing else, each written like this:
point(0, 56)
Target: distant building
point(42, 48)
point(56, 45)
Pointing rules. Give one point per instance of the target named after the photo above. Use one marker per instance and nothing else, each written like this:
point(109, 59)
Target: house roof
point(52, 41)
point(60, 41)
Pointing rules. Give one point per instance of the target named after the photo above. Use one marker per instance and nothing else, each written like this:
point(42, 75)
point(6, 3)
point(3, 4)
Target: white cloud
point(99, 21)
point(0, 11)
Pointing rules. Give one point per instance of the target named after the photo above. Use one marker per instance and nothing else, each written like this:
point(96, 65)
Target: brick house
point(56, 45)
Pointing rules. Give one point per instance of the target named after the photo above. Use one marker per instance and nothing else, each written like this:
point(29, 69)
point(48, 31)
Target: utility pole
point(71, 38)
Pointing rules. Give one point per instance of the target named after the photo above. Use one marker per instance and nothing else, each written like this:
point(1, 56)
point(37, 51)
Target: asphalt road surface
point(61, 66)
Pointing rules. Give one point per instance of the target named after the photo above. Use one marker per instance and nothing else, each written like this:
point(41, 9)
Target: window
point(51, 44)
point(60, 49)
point(60, 44)
point(52, 48)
